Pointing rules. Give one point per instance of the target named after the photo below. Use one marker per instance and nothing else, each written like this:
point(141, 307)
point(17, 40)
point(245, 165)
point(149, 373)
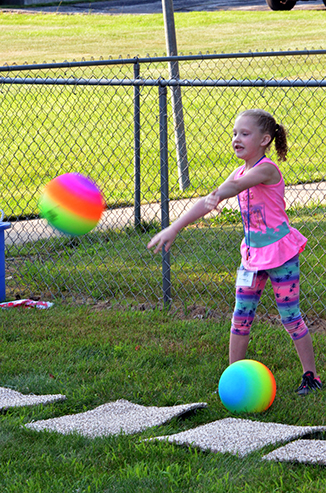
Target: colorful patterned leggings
point(286, 286)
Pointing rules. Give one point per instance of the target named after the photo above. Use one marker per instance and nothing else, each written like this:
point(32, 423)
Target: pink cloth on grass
point(26, 304)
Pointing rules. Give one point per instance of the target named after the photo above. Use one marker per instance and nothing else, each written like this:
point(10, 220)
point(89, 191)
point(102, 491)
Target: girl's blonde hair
point(267, 124)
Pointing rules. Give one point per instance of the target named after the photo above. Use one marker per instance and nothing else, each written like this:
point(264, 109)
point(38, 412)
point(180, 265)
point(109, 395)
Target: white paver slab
point(239, 436)
point(307, 451)
point(12, 398)
point(113, 418)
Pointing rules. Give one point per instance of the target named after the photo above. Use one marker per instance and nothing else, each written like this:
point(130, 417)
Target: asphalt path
point(118, 7)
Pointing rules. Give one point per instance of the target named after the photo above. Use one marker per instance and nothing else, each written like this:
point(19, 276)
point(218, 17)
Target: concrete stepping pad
point(113, 418)
point(11, 398)
point(238, 436)
point(306, 451)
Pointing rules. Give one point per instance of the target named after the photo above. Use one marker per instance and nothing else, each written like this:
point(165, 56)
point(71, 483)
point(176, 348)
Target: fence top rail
point(138, 60)
point(164, 82)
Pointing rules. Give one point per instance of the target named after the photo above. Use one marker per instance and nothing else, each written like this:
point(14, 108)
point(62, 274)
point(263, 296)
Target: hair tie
point(277, 127)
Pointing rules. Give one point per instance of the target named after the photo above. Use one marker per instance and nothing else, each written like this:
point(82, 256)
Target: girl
point(270, 248)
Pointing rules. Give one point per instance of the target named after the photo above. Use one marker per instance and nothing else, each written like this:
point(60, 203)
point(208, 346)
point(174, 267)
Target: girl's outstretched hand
point(212, 200)
point(199, 209)
point(166, 236)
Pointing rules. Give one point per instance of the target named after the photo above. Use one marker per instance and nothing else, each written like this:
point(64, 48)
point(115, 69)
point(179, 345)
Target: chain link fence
point(112, 120)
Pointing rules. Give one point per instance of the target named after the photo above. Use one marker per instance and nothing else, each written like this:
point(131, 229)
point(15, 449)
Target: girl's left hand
point(165, 237)
point(212, 200)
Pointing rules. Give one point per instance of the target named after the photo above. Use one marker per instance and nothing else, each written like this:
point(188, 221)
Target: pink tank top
point(271, 239)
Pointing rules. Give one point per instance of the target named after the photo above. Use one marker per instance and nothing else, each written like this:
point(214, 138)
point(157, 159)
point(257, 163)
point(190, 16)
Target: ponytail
point(281, 144)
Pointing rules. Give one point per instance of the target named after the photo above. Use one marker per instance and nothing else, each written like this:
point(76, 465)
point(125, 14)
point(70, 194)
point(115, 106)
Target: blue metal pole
point(3, 226)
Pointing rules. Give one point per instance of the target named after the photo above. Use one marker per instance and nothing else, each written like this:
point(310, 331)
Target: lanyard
point(248, 214)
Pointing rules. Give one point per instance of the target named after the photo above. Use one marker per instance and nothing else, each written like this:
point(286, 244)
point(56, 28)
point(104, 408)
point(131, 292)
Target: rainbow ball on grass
point(247, 386)
point(72, 203)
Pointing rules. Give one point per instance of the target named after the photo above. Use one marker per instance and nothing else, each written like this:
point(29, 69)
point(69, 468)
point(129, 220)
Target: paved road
point(155, 6)
point(112, 7)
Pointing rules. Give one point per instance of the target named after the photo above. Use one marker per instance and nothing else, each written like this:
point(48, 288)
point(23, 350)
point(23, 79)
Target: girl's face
point(248, 142)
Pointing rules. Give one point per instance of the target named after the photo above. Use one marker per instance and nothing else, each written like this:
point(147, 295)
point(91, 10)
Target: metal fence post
point(137, 146)
point(179, 128)
point(166, 267)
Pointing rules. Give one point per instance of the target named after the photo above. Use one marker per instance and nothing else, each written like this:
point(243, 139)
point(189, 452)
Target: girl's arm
point(198, 210)
point(167, 235)
point(266, 174)
point(230, 188)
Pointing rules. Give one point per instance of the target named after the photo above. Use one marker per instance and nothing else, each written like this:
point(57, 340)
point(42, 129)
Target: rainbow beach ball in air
point(72, 203)
point(247, 386)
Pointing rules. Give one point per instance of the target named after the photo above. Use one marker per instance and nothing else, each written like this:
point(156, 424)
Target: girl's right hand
point(212, 200)
point(166, 236)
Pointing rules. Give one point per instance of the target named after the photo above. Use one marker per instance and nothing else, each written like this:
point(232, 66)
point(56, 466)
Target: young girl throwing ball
point(270, 248)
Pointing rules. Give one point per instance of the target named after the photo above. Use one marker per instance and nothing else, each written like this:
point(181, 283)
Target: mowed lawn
point(47, 37)
point(97, 355)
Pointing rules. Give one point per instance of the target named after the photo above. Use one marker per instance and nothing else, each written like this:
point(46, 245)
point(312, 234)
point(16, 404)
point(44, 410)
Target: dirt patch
point(192, 312)
point(318, 325)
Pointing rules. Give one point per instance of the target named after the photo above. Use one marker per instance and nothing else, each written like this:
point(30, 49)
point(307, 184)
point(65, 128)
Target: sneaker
point(309, 384)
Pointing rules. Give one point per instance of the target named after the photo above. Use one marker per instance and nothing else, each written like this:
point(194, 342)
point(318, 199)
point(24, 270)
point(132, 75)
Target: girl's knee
point(240, 330)
point(296, 329)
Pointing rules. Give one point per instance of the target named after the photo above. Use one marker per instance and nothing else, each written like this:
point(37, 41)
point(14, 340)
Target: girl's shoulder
point(273, 173)
point(267, 160)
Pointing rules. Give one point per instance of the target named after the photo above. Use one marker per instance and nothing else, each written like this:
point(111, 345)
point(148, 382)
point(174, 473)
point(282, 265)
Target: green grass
point(49, 130)
point(153, 359)
point(29, 38)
